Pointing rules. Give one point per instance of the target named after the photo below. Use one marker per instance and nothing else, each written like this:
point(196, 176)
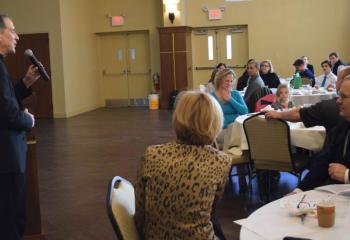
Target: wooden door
point(214, 45)
point(18, 64)
point(113, 58)
point(233, 48)
point(125, 63)
point(139, 72)
point(205, 55)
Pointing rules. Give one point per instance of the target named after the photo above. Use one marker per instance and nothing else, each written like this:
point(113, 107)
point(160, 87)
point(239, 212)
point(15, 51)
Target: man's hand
point(31, 76)
point(337, 171)
point(330, 87)
point(31, 116)
point(272, 115)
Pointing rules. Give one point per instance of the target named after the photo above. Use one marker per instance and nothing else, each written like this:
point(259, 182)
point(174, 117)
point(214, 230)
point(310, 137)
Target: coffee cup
point(326, 214)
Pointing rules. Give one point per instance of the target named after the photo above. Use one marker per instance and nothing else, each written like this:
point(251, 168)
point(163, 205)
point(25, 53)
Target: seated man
point(300, 67)
point(308, 65)
point(242, 80)
point(255, 82)
point(327, 79)
point(336, 62)
point(324, 113)
point(332, 164)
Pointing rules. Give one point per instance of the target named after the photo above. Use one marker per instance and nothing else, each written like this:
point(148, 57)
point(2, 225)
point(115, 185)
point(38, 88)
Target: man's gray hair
point(2, 21)
point(255, 63)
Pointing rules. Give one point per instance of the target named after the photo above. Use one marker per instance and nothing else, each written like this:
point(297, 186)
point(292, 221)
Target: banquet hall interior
point(116, 68)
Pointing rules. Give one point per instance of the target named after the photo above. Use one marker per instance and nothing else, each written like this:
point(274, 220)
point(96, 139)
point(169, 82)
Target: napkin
point(295, 211)
point(267, 108)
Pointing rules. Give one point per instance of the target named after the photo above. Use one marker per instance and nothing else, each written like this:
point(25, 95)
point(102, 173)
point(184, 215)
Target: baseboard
point(80, 111)
point(135, 102)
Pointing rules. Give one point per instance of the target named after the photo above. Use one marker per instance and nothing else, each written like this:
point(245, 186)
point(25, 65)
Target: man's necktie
point(324, 80)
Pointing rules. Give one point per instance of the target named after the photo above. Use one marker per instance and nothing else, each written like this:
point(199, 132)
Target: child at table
point(282, 98)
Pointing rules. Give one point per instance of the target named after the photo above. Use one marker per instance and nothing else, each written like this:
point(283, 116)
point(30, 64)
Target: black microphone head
point(28, 53)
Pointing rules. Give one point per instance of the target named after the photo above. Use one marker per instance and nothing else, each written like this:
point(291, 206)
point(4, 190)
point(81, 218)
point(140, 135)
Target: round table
point(307, 138)
point(272, 221)
point(306, 97)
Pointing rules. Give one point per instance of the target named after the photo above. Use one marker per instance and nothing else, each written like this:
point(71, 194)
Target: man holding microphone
point(14, 123)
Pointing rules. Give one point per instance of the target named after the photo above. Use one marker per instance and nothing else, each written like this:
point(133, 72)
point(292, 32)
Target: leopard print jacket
point(175, 191)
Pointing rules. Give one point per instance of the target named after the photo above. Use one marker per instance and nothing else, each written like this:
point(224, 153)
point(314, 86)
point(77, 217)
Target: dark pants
point(12, 206)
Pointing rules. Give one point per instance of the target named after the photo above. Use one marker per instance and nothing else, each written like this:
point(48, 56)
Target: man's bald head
point(343, 74)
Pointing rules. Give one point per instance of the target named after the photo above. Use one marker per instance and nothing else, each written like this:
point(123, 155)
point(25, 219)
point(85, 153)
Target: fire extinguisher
point(156, 81)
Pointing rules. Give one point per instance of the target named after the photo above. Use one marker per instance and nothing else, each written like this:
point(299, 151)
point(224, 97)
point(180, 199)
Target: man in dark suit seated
point(336, 62)
point(300, 67)
point(308, 65)
point(332, 164)
point(13, 146)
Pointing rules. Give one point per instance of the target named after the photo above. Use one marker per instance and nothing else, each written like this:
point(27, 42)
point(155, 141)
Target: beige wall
point(282, 30)
point(79, 56)
point(140, 15)
point(41, 16)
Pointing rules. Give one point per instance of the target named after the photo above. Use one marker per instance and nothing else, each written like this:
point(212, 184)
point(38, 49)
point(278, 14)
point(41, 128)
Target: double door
point(220, 44)
point(125, 67)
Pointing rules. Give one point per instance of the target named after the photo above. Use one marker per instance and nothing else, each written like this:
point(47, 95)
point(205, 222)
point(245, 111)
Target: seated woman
point(210, 84)
point(282, 98)
point(267, 74)
point(231, 101)
point(180, 182)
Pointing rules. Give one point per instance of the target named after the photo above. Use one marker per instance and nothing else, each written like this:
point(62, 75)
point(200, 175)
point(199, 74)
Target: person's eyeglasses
point(264, 65)
point(342, 96)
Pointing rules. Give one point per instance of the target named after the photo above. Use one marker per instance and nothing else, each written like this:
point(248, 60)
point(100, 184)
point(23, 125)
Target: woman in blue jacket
point(230, 100)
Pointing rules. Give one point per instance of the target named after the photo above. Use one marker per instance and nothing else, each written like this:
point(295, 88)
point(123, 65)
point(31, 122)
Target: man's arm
point(292, 115)
point(23, 86)
point(9, 110)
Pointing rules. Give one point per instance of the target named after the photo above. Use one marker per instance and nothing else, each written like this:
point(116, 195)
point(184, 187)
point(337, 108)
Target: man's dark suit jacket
point(336, 66)
point(13, 123)
point(332, 153)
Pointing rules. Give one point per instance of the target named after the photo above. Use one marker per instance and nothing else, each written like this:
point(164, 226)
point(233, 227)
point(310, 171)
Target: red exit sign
point(117, 20)
point(215, 14)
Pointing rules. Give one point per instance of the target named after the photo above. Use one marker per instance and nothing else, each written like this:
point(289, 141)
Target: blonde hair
point(279, 89)
point(221, 75)
point(197, 118)
point(269, 63)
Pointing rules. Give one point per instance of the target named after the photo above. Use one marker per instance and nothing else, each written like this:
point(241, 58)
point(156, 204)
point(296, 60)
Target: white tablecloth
point(307, 138)
point(272, 221)
point(310, 99)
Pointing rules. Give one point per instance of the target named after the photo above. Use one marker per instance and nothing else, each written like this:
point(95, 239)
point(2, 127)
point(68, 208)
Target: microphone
point(29, 53)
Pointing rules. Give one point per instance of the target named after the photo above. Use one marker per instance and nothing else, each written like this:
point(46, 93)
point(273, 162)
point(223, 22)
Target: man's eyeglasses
point(342, 96)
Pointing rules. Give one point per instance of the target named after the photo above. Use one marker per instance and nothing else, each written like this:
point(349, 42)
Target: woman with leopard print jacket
point(179, 182)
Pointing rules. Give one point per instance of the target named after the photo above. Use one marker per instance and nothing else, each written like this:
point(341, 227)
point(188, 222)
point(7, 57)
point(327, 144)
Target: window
point(210, 48)
point(120, 55)
point(132, 53)
point(228, 47)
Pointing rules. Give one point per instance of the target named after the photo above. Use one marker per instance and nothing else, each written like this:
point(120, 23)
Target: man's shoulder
point(329, 103)
point(321, 109)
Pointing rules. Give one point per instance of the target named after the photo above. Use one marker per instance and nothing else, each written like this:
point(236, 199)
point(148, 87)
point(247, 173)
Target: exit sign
point(117, 20)
point(215, 14)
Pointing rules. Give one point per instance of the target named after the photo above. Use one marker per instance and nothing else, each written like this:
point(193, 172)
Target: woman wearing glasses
point(269, 77)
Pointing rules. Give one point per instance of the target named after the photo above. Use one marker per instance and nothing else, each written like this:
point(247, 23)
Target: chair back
point(259, 93)
point(269, 143)
point(306, 81)
point(121, 208)
point(265, 101)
